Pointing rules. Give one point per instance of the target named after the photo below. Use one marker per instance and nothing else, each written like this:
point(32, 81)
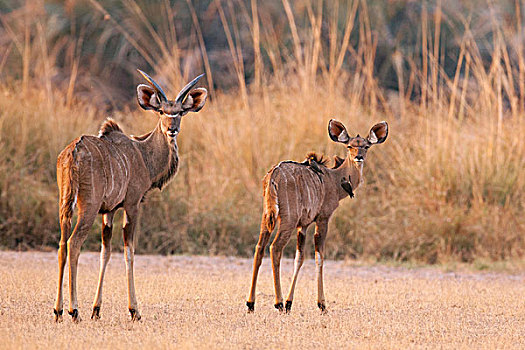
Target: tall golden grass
point(447, 185)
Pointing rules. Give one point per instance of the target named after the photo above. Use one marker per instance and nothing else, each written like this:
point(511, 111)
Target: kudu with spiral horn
point(100, 174)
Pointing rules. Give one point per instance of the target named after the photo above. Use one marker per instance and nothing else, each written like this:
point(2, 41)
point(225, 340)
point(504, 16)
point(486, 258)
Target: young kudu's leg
point(299, 259)
point(65, 228)
point(264, 237)
point(105, 253)
point(130, 222)
point(276, 251)
point(74, 243)
point(319, 238)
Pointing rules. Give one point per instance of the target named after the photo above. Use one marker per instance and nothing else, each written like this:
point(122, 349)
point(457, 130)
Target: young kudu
point(102, 174)
point(297, 194)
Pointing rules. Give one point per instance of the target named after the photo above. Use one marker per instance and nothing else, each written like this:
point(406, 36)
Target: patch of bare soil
point(189, 301)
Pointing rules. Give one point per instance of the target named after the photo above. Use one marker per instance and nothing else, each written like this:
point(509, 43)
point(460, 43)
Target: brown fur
point(109, 126)
point(141, 137)
point(338, 161)
point(68, 180)
point(295, 196)
point(167, 175)
point(102, 174)
point(270, 202)
point(295, 189)
point(299, 194)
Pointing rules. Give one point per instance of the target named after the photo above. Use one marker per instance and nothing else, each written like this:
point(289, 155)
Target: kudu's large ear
point(337, 131)
point(378, 133)
point(195, 100)
point(147, 97)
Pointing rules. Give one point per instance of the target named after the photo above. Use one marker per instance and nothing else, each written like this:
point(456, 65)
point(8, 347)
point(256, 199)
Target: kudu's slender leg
point(264, 237)
point(105, 254)
point(130, 221)
point(276, 251)
point(321, 229)
point(65, 228)
point(74, 243)
point(299, 259)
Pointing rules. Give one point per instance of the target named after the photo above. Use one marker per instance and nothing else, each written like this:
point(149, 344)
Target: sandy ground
point(189, 302)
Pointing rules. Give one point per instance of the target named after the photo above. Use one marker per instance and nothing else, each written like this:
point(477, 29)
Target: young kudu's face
point(170, 111)
point(357, 146)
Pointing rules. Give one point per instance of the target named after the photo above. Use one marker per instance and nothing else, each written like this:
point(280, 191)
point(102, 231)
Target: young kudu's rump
point(100, 174)
point(298, 194)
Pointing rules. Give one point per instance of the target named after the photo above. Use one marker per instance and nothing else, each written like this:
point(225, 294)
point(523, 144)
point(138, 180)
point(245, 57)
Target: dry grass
point(446, 194)
point(446, 186)
point(198, 302)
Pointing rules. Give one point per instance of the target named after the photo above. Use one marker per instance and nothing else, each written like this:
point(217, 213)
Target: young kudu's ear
point(337, 131)
point(378, 133)
point(147, 97)
point(195, 100)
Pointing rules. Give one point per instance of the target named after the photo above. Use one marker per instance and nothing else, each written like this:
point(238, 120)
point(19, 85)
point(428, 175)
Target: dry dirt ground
point(199, 302)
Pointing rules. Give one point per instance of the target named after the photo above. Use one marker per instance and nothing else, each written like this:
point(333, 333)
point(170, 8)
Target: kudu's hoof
point(135, 315)
point(58, 315)
point(288, 306)
point(279, 306)
point(96, 313)
point(322, 307)
point(251, 306)
point(75, 316)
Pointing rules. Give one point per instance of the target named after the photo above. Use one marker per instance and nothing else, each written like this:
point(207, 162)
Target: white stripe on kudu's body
point(102, 174)
point(314, 196)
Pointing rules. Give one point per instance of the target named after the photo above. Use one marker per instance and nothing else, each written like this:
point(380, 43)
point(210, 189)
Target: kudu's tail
point(68, 183)
point(271, 204)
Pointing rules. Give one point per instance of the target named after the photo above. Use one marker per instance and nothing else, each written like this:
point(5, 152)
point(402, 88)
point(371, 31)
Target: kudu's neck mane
point(160, 157)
